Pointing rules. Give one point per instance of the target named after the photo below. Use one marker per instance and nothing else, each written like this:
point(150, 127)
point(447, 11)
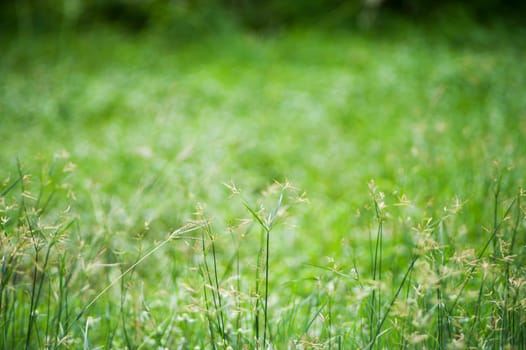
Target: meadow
point(301, 189)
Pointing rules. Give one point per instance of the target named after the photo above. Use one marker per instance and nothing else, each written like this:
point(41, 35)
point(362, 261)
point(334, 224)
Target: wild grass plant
point(225, 201)
point(37, 268)
point(444, 292)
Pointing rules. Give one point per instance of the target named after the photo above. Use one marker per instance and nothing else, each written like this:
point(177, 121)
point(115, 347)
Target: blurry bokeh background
point(181, 97)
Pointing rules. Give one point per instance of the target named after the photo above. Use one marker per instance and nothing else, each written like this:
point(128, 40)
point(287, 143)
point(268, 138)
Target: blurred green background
point(421, 96)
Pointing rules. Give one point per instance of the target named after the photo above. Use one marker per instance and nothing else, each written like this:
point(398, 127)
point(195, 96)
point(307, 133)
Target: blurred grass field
point(376, 139)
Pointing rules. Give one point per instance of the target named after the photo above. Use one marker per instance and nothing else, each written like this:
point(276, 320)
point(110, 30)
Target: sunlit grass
point(353, 190)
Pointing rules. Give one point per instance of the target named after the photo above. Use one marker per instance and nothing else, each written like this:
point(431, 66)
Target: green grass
point(305, 189)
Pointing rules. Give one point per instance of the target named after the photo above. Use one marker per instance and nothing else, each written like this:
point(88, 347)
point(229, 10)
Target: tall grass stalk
point(376, 297)
point(380, 324)
point(211, 281)
point(266, 226)
point(443, 327)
